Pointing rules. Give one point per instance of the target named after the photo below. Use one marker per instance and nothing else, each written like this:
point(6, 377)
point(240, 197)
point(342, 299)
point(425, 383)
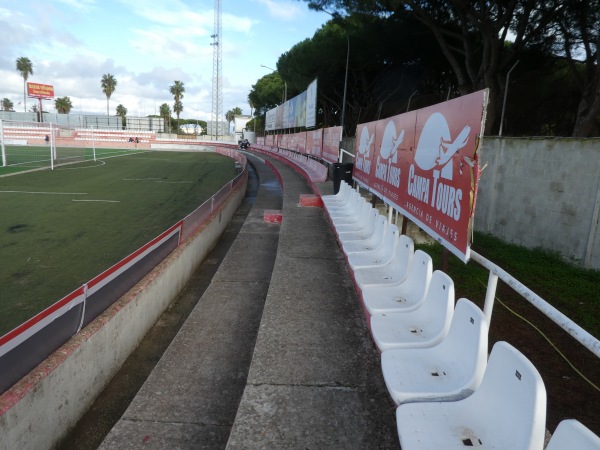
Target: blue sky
point(146, 45)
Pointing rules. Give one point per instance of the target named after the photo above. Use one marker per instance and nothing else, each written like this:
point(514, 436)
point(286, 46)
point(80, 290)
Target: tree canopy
point(25, 68)
point(63, 105)
point(177, 89)
point(7, 104)
point(479, 43)
point(108, 83)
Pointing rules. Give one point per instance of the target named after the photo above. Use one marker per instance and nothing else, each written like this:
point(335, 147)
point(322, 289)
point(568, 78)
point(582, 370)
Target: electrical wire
point(561, 354)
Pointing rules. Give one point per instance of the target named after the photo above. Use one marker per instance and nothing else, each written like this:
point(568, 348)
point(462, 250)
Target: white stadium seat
point(507, 411)
point(449, 371)
point(405, 296)
point(424, 327)
point(573, 435)
point(393, 272)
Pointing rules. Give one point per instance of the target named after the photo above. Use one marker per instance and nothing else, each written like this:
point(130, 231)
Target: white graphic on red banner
point(364, 153)
point(424, 163)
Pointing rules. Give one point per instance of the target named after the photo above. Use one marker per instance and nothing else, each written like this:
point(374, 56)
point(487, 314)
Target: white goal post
point(37, 145)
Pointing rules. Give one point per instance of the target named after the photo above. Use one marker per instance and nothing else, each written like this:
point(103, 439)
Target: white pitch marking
point(102, 163)
point(45, 193)
point(103, 201)
point(140, 179)
point(175, 182)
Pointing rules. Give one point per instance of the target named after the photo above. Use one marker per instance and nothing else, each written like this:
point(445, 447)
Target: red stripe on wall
point(41, 316)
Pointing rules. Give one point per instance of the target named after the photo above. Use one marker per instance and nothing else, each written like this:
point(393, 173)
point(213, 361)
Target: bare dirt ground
point(569, 396)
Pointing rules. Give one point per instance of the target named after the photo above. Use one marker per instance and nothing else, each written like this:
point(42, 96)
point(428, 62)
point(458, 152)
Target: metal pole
point(505, 95)
point(2, 143)
point(345, 81)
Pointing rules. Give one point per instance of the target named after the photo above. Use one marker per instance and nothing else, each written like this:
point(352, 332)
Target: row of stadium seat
point(88, 131)
point(434, 355)
point(101, 139)
point(39, 137)
point(313, 169)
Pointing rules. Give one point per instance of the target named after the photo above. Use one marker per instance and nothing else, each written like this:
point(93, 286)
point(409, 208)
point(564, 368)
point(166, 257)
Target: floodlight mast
point(217, 82)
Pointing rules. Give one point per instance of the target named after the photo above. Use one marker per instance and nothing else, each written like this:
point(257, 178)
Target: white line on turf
point(102, 201)
point(101, 163)
point(44, 193)
point(175, 182)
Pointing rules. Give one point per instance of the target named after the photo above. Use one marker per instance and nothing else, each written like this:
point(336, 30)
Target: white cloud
point(284, 10)
point(80, 5)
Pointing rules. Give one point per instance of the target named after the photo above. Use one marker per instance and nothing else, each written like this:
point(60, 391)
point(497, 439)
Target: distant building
point(239, 124)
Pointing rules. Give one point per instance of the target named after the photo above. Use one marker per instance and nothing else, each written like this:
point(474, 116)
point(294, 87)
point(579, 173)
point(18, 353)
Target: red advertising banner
point(314, 142)
point(301, 142)
point(365, 151)
point(425, 164)
point(331, 143)
point(37, 90)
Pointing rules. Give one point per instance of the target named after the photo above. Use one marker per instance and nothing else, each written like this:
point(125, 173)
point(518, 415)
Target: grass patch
point(58, 229)
point(571, 289)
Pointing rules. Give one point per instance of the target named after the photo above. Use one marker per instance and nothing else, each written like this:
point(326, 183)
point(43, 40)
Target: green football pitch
point(60, 228)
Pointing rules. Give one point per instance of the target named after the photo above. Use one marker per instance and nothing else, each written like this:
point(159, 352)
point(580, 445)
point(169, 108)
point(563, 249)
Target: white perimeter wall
point(542, 192)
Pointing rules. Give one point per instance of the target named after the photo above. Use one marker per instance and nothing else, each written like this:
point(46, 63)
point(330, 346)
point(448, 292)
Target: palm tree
point(122, 112)
point(63, 105)
point(7, 104)
point(165, 113)
point(25, 67)
point(177, 90)
point(109, 84)
point(177, 109)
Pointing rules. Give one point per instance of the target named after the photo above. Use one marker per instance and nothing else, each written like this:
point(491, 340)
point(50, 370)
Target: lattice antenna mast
point(217, 81)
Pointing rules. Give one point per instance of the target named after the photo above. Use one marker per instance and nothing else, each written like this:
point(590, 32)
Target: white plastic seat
point(424, 327)
point(354, 216)
point(449, 371)
point(383, 255)
point(571, 434)
point(507, 411)
point(341, 209)
point(344, 204)
point(407, 295)
point(339, 198)
point(373, 242)
point(393, 272)
point(359, 230)
point(351, 214)
point(358, 222)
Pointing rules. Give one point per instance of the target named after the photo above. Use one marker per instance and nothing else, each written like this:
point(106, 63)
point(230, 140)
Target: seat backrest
point(439, 301)
point(366, 223)
point(380, 226)
point(467, 340)
point(390, 241)
point(511, 399)
point(419, 276)
point(573, 435)
point(403, 253)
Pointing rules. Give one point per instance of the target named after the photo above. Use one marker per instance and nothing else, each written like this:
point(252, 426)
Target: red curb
point(310, 200)
point(273, 216)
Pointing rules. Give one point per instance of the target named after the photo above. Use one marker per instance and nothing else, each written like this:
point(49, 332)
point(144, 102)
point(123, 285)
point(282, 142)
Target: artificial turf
point(60, 228)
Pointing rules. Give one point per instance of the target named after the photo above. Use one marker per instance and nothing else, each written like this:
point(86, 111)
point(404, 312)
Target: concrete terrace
point(277, 353)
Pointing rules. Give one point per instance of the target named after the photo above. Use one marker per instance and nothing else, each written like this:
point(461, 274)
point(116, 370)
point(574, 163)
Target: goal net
point(34, 145)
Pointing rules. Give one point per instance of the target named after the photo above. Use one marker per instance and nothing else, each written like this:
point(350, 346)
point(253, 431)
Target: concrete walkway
point(276, 354)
